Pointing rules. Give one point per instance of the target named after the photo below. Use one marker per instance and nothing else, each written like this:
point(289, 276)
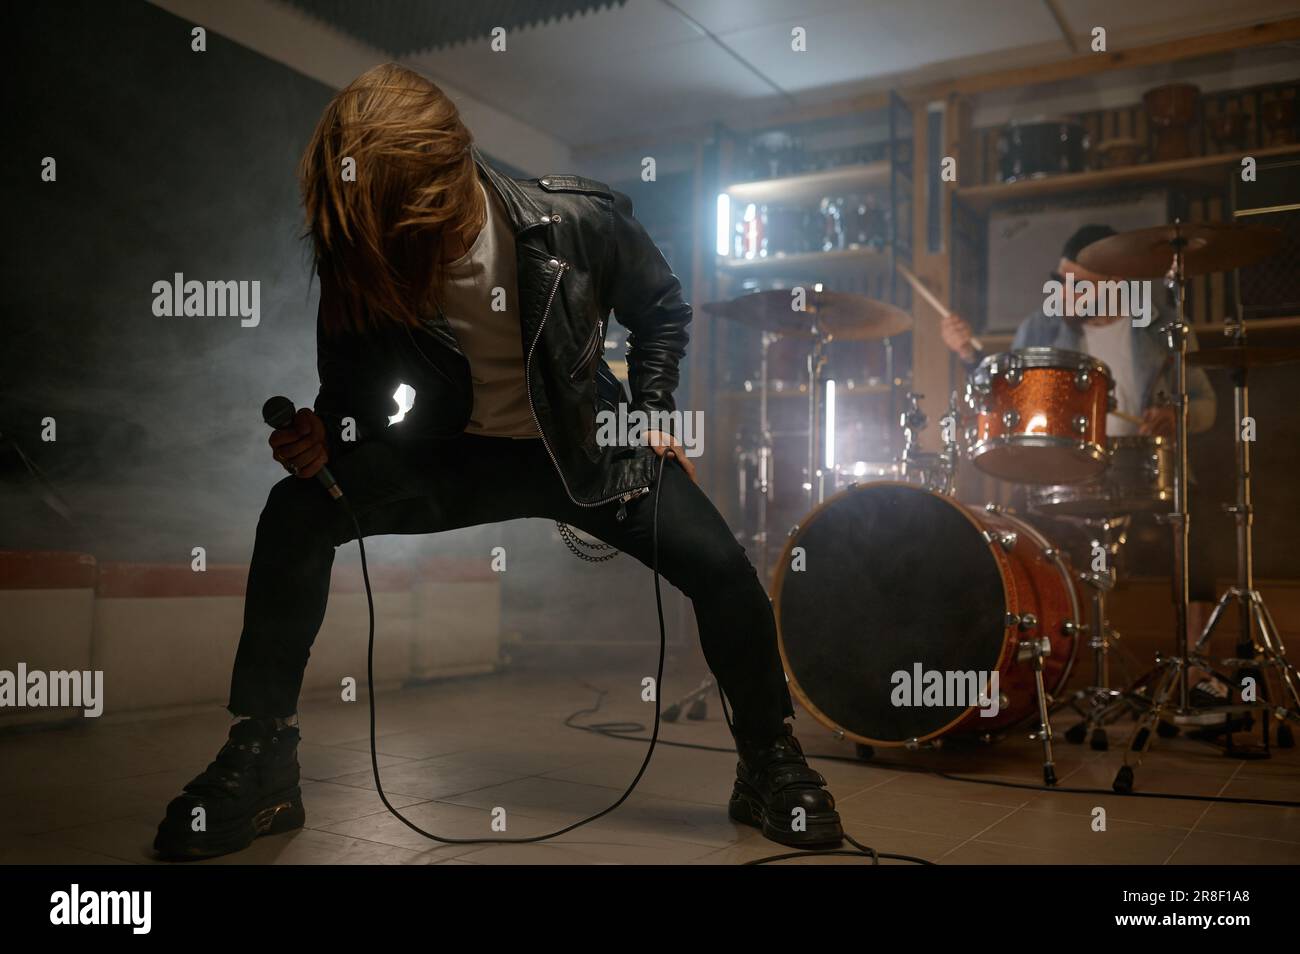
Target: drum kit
point(892, 578)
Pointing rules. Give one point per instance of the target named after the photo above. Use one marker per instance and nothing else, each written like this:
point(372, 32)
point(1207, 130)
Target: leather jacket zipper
point(589, 350)
point(622, 498)
point(627, 498)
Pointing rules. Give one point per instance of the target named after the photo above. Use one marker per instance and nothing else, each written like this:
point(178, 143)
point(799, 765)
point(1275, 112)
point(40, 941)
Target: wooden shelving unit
point(800, 391)
point(1206, 171)
point(869, 405)
point(867, 261)
point(811, 186)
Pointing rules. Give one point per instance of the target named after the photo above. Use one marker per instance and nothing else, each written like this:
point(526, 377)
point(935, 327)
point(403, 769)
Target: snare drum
point(1040, 416)
point(1140, 479)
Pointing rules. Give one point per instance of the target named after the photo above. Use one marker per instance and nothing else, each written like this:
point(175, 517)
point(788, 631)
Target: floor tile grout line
point(981, 831)
point(1127, 821)
point(489, 842)
point(1199, 818)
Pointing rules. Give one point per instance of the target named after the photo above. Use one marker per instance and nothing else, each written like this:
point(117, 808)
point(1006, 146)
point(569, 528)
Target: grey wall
point(171, 160)
point(168, 161)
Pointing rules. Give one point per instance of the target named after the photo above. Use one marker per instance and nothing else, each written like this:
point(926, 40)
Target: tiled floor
point(453, 753)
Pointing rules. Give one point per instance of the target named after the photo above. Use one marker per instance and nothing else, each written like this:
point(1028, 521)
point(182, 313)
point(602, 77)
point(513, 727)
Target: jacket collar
point(523, 211)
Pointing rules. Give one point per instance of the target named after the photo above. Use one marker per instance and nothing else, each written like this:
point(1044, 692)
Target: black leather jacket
point(580, 255)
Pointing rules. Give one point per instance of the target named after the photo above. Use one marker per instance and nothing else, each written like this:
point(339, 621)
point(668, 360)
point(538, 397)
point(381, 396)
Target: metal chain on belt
point(589, 550)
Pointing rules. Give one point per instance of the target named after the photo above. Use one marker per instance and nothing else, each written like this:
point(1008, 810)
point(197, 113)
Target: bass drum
point(886, 577)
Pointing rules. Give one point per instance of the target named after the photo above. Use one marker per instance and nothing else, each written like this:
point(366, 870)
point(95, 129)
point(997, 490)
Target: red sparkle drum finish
point(1040, 592)
point(890, 576)
point(1040, 416)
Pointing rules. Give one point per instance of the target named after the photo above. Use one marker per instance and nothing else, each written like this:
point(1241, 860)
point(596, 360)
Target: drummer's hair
point(1083, 237)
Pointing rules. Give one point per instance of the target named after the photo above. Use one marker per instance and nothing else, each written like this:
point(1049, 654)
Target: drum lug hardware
point(1083, 380)
point(837, 735)
point(1081, 423)
point(1007, 539)
point(992, 508)
point(1069, 627)
point(1027, 649)
point(1011, 418)
point(1023, 623)
point(1014, 371)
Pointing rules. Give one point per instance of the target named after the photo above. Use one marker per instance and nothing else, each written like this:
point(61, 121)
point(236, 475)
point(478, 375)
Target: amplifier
point(1271, 288)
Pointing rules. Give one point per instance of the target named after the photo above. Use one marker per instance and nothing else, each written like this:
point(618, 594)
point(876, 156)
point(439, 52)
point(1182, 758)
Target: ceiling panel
point(632, 66)
point(584, 92)
point(729, 16)
point(400, 27)
point(879, 39)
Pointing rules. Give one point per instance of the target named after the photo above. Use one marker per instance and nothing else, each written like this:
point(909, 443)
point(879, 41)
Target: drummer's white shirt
point(1113, 344)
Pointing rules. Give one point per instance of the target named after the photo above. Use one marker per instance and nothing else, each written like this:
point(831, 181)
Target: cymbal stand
point(764, 455)
point(1169, 699)
point(1252, 613)
point(816, 485)
point(936, 472)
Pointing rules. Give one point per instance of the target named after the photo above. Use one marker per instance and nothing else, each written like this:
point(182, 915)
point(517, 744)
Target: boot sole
point(277, 814)
point(824, 830)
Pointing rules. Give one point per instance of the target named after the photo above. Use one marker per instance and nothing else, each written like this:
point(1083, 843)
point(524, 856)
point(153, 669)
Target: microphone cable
point(858, 850)
point(370, 684)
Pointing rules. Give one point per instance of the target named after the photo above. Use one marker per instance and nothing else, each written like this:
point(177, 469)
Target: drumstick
point(930, 298)
point(1131, 418)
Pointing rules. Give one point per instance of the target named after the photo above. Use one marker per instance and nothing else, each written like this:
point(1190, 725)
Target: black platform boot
point(773, 780)
point(250, 789)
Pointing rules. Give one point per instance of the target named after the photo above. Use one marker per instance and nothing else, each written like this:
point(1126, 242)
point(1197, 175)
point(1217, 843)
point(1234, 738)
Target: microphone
point(278, 412)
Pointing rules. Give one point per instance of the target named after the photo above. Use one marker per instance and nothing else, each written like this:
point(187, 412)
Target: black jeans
point(445, 485)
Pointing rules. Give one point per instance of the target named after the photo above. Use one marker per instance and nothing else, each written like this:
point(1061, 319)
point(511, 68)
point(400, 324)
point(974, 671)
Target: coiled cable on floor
point(615, 730)
point(370, 683)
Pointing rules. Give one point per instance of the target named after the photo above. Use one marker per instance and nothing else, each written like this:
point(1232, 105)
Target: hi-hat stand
point(1169, 698)
point(1267, 654)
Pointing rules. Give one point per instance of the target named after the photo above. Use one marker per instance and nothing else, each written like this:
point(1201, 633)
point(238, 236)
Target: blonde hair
point(378, 239)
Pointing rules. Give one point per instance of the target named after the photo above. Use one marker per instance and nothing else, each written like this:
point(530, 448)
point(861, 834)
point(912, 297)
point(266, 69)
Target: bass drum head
point(893, 576)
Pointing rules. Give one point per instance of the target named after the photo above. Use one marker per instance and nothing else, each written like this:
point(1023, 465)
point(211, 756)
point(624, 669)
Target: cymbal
point(840, 315)
point(1208, 247)
point(1247, 356)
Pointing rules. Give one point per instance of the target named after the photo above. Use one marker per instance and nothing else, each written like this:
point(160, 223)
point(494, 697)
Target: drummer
point(1137, 356)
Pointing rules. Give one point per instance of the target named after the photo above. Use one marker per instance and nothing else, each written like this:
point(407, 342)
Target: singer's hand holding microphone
point(298, 441)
